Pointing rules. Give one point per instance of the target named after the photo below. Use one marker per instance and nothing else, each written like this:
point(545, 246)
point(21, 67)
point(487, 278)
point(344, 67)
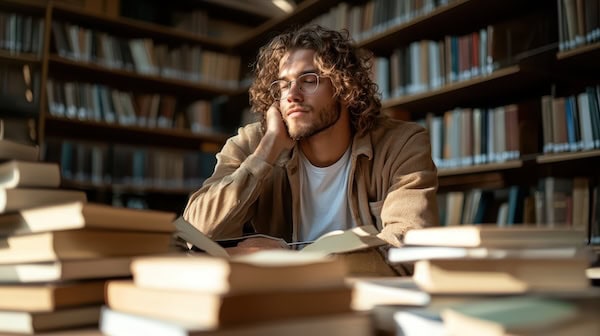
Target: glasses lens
point(308, 82)
point(276, 89)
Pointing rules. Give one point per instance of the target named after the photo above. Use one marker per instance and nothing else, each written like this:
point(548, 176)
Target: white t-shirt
point(323, 201)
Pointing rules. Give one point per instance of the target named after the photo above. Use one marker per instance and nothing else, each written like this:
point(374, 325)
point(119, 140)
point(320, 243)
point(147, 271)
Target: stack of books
point(271, 292)
point(489, 280)
point(57, 250)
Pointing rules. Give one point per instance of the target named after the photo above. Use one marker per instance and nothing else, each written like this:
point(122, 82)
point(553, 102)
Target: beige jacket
point(392, 177)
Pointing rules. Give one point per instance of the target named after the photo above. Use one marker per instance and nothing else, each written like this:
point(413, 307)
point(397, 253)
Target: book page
point(341, 241)
point(190, 234)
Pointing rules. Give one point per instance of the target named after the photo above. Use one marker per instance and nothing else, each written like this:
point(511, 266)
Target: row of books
point(21, 33)
point(578, 23)
point(571, 202)
point(484, 280)
point(58, 249)
point(571, 123)
point(427, 65)
point(375, 16)
point(471, 136)
point(101, 164)
point(144, 56)
point(97, 102)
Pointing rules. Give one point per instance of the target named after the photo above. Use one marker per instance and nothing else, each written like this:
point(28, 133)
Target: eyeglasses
point(308, 83)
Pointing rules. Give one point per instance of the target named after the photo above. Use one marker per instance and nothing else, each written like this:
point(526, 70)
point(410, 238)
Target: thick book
point(38, 323)
point(117, 323)
point(81, 244)
point(494, 236)
point(408, 254)
point(25, 198)
point(523, 315)
point(50, 297)
point(267, 270)
point(65, 270)
point(501, 276)
point(17, 173)
point(79, 215)
point(209, 310)
point(11, 150)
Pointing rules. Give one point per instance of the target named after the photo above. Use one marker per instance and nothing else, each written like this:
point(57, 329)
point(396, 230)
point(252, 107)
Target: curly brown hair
point(336, 57)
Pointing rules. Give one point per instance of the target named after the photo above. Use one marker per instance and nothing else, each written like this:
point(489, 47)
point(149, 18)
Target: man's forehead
point(296, 62)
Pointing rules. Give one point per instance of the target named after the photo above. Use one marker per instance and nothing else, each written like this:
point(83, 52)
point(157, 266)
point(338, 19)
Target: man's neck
point(327, 147)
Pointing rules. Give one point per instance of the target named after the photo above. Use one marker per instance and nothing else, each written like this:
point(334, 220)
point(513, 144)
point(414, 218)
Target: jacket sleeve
point(411, 202)
point(225, 201)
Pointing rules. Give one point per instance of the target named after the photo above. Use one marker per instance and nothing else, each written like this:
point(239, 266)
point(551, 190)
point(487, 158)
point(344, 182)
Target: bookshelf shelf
point(567, 156)
point(23, 6)
point(129, 80)
point(134, 28)
point(450, 172)
point(443, 21)
point(97, 131)
point(478, 91)
point(126, 188)
point(22, 58)
point(585, 57)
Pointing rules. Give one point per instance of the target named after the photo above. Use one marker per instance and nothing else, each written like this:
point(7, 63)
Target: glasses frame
point(288, 87)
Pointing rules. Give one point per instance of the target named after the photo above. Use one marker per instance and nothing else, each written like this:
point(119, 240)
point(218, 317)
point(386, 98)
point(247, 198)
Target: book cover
point(25, 198)
point(50, 297)
point(20, 322)
point(267, 270)
point(119, 323)
point(80, 215)
point(17, 173)
point(501, 276)
point(494, 236)
point(11, 150)
point(80, 244)
point(208, 310)
point(65, 270)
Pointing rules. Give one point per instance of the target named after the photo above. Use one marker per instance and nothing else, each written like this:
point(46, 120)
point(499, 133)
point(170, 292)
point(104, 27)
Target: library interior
point(114, 114)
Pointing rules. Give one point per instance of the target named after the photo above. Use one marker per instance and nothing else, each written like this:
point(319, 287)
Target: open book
point(359, 238)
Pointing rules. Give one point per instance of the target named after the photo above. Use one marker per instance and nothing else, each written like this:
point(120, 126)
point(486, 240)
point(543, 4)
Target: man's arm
point(411, 202)
point(224, 203)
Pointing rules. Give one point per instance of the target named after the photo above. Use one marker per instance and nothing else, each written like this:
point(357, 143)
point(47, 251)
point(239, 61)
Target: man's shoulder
point(389, 128)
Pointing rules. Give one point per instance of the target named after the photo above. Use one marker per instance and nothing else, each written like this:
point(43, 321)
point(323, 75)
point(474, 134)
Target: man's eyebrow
point(301, 73)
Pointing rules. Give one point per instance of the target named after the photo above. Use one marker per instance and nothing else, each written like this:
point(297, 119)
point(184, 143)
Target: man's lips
point(295, 111)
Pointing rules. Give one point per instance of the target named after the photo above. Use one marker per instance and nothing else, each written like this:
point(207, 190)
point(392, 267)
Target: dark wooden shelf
point(154, 137)
point(23, 6)
point(481, 91)
point(567, 156)
point(125, 27)
point(65, 69)
point(448, 172)
point(454, 18)
point(20, 58)
point(125, 188)
point(586, 57)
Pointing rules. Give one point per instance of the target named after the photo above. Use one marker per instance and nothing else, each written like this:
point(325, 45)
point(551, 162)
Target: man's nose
point(295, 93)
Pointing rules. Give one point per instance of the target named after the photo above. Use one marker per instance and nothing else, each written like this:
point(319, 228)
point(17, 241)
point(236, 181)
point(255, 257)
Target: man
point(323, 157)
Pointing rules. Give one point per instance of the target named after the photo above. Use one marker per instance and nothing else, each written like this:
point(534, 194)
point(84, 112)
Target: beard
point(326, 118)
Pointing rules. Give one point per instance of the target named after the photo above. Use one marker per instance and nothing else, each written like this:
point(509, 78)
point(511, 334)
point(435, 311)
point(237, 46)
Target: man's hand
point(276, 138)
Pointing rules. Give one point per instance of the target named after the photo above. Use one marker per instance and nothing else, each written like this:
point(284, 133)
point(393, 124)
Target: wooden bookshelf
point(522, 79)
point(485, 89)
